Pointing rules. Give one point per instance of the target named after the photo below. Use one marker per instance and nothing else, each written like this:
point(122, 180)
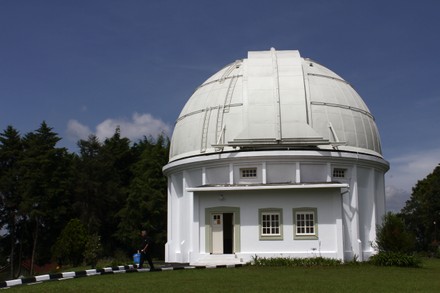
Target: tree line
point(421, 213)
point(111, 189)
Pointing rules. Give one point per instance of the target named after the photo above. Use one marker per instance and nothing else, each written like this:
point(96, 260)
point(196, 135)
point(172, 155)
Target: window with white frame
point(339, 172)
point(305, 223)
point(271, 226)
point(246, 173)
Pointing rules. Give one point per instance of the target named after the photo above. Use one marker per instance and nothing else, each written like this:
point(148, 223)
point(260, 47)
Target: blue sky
point(86, 66)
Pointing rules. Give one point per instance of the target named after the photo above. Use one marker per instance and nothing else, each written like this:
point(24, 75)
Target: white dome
point(274, 100)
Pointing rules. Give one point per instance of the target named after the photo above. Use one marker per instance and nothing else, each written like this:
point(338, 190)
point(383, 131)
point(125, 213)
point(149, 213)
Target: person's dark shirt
point(147, 240)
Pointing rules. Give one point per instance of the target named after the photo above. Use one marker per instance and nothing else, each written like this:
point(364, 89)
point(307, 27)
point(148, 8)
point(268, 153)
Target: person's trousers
point(146, 256)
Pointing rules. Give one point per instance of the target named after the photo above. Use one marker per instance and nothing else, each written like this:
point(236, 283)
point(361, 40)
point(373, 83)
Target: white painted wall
point(344, 216)
point(279, 172)
point(250, 201)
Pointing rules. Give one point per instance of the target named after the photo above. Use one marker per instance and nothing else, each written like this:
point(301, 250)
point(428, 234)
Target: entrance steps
point(218, 260)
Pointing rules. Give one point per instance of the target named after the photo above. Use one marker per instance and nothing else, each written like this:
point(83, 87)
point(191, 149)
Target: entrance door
point(217, 233)
point(222, 225)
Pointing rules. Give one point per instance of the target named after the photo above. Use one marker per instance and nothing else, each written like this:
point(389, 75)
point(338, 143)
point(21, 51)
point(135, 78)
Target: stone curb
point(103, 271)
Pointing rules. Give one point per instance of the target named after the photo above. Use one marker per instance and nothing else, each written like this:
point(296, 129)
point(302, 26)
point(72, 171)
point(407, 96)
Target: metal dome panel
point(274, 99)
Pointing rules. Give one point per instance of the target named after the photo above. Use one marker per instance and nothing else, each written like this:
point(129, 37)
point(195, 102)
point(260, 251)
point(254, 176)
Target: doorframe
point(236, 223)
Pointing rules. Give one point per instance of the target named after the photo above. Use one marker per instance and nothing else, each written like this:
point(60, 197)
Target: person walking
point(145, 250)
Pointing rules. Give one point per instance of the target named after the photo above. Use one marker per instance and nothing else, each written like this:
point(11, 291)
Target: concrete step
point(217, 259)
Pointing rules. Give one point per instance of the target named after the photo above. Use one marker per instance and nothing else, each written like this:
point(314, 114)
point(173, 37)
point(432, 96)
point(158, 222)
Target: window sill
point(264, 238)
point(306, 237)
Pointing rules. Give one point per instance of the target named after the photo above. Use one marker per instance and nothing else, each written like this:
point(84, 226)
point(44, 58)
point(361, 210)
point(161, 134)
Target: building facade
point(276, 156)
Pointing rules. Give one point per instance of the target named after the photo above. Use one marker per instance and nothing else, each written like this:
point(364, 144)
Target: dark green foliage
point(295, 262)
point(399, 259)
point(11, 151)
point(114, 188)
point(90, 177)
point(422, 212)
point(146, 205)
point(70, 245)
point(44, 189)
point(92, 250)
point(395, 244)
point(103, 173)
point(392, 235)
point(34, 187)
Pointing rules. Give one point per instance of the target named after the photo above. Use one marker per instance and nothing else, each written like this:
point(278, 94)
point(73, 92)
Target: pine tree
point(103, 176)
point(117, 154)
point(88, 183)
point(11, 151)
point(44, 188)
point(146, 205)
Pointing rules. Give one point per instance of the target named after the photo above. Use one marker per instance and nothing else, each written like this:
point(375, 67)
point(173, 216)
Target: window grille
point(248, 173)
point(270, 223)
point(305, 223)
point(339, 173)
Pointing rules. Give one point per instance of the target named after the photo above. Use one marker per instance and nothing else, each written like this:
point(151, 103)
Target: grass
point(344, 278)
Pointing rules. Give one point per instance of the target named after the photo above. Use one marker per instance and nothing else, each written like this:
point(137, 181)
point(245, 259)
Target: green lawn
point(346, 278)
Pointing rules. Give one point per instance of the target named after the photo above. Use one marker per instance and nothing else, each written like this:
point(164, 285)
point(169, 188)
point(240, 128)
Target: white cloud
point(404, 173)
point(137, 127)
point(396, 198)
point(76, 131)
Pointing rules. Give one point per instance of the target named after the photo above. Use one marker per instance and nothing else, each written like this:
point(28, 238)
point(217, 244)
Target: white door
point(217, 233)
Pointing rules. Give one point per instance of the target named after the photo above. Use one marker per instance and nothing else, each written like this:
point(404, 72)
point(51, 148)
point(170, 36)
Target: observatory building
point(274, 155)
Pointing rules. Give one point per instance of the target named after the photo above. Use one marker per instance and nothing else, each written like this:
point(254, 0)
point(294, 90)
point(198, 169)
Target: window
point(339, 173)
point(271, 227)
point(305, 223)
point(248, 172)
point(270, 223)
point(216, 219)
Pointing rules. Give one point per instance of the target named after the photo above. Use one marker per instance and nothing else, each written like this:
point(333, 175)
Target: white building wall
point(217, 175)
point(347, 217)
point(313, 172)
point(348, 214)
point(175, 194)
point(367, 213)
point(380, 196)
point(251, 201)
point(352, 218)
point(280, 172)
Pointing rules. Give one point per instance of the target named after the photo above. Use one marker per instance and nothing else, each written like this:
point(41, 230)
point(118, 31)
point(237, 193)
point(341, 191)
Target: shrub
point(295, 262)
point(395, 244)
point(399, 259)
point(392, 236)
point(92, 250)
point(69, 247)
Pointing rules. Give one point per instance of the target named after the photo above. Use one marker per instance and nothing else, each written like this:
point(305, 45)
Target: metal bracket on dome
point(205, 128)
point(335, 143)
point(219, 147)
point(343, 107)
